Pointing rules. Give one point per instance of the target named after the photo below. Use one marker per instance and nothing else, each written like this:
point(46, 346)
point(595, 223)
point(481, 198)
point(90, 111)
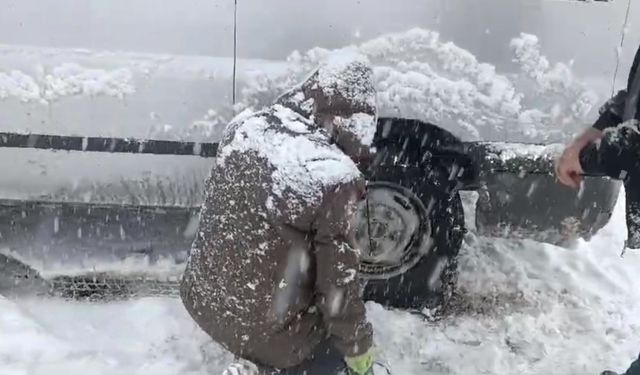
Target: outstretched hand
point(568, 168)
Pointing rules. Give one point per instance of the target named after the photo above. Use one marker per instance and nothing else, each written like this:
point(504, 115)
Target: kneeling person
point(272, 274)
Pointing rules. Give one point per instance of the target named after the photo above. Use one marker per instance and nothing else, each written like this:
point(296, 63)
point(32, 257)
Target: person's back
point(271, 273)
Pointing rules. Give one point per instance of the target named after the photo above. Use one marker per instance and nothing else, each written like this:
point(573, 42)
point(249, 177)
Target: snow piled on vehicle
point(522, 308)
point(420, 76)
point(505, 152)
point(417, 75)
point(65, 80)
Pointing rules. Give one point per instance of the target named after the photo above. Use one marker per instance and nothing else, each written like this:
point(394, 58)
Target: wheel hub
point(391, 230)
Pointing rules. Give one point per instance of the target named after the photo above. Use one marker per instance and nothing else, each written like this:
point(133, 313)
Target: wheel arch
point(411, 143)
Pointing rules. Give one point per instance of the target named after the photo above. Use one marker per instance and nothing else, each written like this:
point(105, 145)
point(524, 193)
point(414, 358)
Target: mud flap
point(89, 235)
point(18, 279)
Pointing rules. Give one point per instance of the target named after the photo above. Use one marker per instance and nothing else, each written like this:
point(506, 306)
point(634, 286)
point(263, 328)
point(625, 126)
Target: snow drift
point(420, 76)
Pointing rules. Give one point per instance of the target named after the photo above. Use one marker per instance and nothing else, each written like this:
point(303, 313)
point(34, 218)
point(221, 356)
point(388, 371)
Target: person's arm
point(567, 167)
point(337, 285)
point(612, 113)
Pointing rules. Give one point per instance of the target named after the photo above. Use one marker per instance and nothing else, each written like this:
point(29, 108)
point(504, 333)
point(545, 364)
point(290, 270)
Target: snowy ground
point(526, 308)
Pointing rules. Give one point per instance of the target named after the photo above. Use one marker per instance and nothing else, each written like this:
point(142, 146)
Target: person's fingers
point(559, 167)
point(563, 174)
point(569, 176)
point(576, 172)
point(556, 167)
point(568, 169)
point(578, 167)
point(566, 180)
point(576, 180)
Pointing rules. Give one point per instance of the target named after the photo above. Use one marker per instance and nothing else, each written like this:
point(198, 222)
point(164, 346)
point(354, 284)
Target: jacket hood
point(340, 96)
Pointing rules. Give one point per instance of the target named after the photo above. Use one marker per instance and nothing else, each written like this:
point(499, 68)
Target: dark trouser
point(634, 369)
point(325, 360)
point(618, 157)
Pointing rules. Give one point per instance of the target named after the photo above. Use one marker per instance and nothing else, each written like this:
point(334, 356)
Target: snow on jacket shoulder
point(305, 164)
point(272, 271)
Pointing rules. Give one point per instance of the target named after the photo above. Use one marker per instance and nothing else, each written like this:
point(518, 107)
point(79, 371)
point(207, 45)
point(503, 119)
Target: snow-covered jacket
point(273, 270)
point(619, 149)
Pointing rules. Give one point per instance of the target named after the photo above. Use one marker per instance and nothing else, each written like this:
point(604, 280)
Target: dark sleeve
point(612, 113)
point(634, 69)
point(337, 285)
